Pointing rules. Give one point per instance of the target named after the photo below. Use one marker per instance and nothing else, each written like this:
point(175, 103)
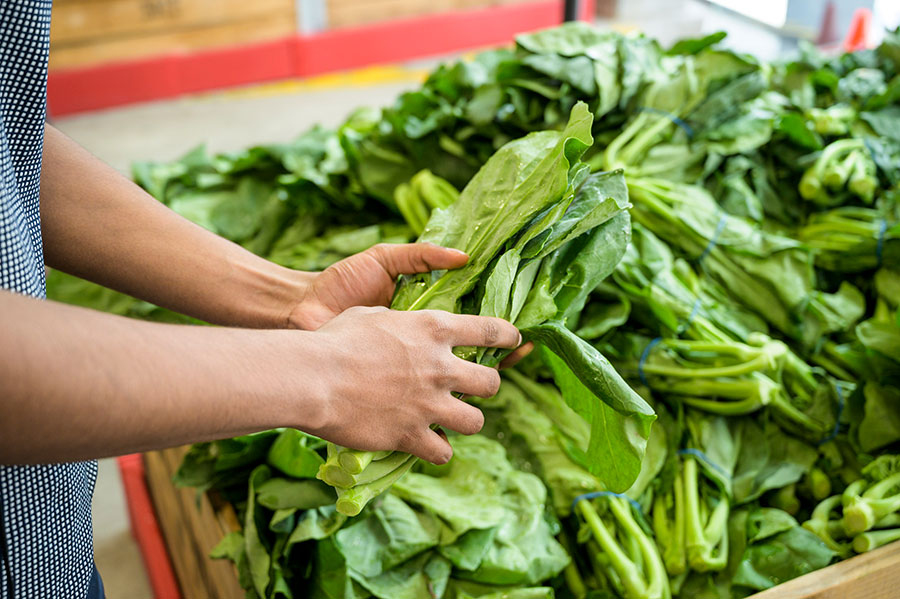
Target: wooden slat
point(873, 575)
point(183, 516)
point(351, 13)
point(64, 56)
point(92, 20)
point(181, 547)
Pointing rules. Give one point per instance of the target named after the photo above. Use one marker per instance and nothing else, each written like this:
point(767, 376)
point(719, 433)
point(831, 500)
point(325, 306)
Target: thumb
point(411, 258)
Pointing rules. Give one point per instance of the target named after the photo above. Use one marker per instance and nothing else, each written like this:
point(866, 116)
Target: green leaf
point(880, 425)
point(695, 45)
point(281, 493)
point(620, 419)
point(780, 558)
point(389, 535)
point(518, 182)
point(258, 557)
point(291, 454)
point(768, 460)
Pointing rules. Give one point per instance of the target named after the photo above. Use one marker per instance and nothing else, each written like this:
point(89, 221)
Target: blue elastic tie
point(594, 494)
point(690, 319)
point(879, 247)
point(715, 238)
point(705, 459)
point(837, 423)
point(644, 356)
point(684, 126)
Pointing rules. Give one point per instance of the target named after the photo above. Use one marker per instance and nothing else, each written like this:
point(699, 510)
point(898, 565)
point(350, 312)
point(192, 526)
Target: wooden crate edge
point(191, 526)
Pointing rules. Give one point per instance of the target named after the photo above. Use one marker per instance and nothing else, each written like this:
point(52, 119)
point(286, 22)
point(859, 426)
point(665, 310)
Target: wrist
point(273, 294)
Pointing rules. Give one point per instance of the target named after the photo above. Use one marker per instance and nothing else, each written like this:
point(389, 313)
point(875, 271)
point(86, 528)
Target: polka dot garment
point(46, 545)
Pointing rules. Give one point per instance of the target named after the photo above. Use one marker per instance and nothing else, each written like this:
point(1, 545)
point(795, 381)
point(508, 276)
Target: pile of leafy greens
point(751, 300)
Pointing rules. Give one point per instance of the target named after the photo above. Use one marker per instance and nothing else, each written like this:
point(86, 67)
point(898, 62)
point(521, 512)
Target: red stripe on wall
point(115, 84)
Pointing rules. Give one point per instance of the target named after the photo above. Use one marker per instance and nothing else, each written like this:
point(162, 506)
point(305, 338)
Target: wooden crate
point(353, 13)
point(193, 528)
point(87, 32)
point(873, 575)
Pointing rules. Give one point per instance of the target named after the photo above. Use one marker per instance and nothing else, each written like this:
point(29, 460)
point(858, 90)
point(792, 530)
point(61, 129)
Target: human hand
point(367, 279)
point(391, 375)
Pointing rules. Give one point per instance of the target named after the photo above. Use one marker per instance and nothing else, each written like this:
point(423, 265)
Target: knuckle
point(408, 440)
point(438, 324)
point(442, 373)
point(491, 331)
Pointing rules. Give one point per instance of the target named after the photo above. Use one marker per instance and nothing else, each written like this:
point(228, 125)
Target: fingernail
point(520, 338)
point(460, 252)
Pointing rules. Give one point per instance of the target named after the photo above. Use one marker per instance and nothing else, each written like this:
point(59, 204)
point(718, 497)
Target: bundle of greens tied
point(541, 231)
point(685, 231)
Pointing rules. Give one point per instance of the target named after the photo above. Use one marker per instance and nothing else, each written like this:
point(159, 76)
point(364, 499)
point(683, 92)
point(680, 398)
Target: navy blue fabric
point(95, 590)
point(45, 511)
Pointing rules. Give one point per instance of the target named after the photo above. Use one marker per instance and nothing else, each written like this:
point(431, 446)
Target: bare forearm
point(102, 227)
point(78, 384)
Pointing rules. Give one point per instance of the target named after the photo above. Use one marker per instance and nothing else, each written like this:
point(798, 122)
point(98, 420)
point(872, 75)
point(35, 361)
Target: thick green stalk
point(821, 525)
point(868, 541)
point(740, 407)
point(811, 184)
point(351, 501)
point(706, 542)
point(670, 532)
point(628, 574)
point(760, 362)
point(863, 511)
point(654, 571)
point(336, 476)
point(355, 461)
point(819, 483)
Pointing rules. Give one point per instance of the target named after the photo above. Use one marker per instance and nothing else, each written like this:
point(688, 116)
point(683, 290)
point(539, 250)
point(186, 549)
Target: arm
point(79, 384)
point(100, 226)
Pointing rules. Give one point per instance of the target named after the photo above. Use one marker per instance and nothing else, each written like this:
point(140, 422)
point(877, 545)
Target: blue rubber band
point(705, 459)
point(595, 494)
point(720, 226)
point(684, 126)
point(644, 356)
point(690, 319)
point(837, 423)
point(879, 247)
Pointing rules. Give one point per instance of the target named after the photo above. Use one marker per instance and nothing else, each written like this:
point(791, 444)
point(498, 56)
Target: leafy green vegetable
point(753, 302)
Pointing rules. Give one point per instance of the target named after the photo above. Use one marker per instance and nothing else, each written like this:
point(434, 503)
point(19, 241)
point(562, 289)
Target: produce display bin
point(185, 527)
point(192, 525)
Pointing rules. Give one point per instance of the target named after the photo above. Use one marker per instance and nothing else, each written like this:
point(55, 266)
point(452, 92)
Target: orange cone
point(858, 34)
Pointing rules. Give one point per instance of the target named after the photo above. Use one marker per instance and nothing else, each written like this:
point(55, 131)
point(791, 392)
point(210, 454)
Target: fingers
point(469, 378)
point(459, 416)
point(518, 353)
point(430, 446)
point(467, 329)
point(410, 258)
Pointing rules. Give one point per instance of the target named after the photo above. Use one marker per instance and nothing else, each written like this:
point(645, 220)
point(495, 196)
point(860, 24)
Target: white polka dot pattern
point(46, 510)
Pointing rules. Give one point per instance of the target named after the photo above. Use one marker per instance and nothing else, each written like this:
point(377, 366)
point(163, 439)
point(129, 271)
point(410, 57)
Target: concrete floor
point(235, 119)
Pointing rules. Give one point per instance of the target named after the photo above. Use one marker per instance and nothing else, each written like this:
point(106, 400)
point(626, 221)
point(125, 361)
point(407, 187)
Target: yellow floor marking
point(365, 77)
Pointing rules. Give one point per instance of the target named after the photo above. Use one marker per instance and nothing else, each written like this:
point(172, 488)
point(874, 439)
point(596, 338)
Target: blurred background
point(151, 79)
